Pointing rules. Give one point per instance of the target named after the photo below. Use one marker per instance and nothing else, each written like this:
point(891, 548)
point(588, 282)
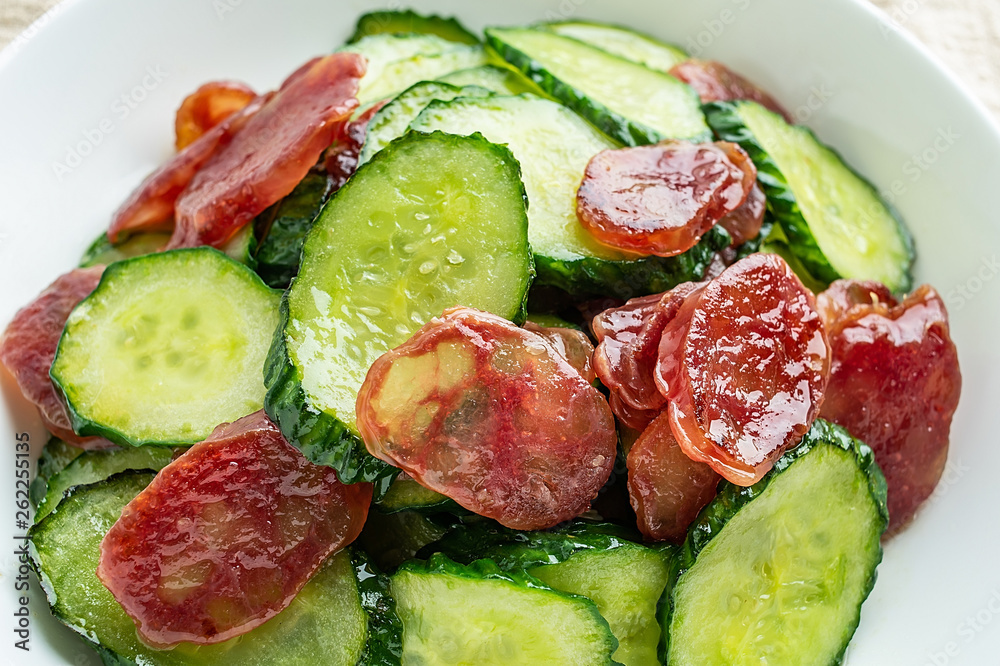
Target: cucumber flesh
point(553, 147)
point(324, 623)
point(622, 42)
point(399, 75)
point(166, 348)
point(477, 615)
point(394, 538)
point(627, 101)
point(102, 252)
point(56, 454)
point(407, 21)
point(384, 49)
point(501, 80)
point(432, 221)
point(626, 583)
point(405, 494)
point(391, 121)
point(776, 573)
point(94, 466)
point(836, 222)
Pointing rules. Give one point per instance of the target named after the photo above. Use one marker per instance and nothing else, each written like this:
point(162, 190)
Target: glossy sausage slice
point(572, 345)
point(744, 365)
point(661, 199)
point(226, 535)
point(29, 345)
point(273, 152)
point(492, 416)
point(208, 106)
point(714, 82)
point(894, 384)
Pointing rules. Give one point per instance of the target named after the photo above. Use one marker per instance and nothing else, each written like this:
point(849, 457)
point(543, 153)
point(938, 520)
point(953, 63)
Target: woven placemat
point(965, 34)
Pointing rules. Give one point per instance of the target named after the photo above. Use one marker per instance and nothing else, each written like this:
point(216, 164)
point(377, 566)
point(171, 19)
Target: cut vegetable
point(553, 146)
point(325, 623)
point(777, 572)
point(94, 466)
point(282, 229)
point(622, 42)
point(393, 538)
point(408, 21)
point(453, 614)
point(433, 220)
point(405, 494)
point(627, 101)
point(501, 80)
point(101, 252)
point(836, 222)
point(166, 348)
point(56, 454)
point(392, 120)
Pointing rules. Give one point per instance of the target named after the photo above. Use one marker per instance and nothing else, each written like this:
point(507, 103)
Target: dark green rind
point(408, 21)
point(725, 121)
point(282, 229)
point(56, 454)
point(593, 277)
point(385, 630)
point(322, 439)
point(731, 498)
point(616, 126)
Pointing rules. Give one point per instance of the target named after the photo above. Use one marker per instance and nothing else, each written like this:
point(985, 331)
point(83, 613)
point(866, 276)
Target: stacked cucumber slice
point(466, 196)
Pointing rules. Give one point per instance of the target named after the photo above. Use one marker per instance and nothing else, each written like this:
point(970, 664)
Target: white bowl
point(87, 111)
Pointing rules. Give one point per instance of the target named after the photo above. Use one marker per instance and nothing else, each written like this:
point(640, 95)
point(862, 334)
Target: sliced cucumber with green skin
point(552, 321)
point(382, 50)
point(432, 221)
point(626, 580)
point(627, 101)
point(835, 222)
point(391, 121)
point(408, 21)
point(94, 466)
point(56, 454)
point(553, 146)
point(452, 614)
point(385, 632)
point(394, 538)
point(501, 80)
point(167, 347)
point(405, 494)
point(400, 75)
point(325, 623)
point(622, 42)
point(777, 572)
point(282, 229)
point(101, 252)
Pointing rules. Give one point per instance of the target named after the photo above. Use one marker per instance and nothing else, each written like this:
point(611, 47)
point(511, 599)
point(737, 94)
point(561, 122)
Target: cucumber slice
point(453, 614)
point(552, 321)
point(56, 454)
point(622, 42)
point(324, 623)
point(432, 221)
point(382, 50)
point(391, 121)
point(626, 583)
point(776, 573)
point(394, 538)
point(502, 80)
point(282, 229)
point(627, 101)
point(102, 252)
point(836, 222)
point(408, 21)
point(406, 494)
point(166, 348)
point(397, 76)
point(553, 146)
point(94, 466)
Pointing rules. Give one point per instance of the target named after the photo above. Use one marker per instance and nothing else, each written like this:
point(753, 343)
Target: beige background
point(965, 34)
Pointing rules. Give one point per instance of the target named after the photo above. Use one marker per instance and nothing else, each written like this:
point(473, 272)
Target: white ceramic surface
point(103, 77)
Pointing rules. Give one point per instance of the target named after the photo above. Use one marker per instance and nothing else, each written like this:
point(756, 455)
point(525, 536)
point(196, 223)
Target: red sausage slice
point(492, 416)
point(151, 206)
point(29, 344)
point(744, 365)
point(572, 345)
point(661, 199)
point(714, 82)
point(271, 154)
point(628, 349)
point(226, 535)
point(894, 384)
point(666, 488)
point(208, 106)
point(744, 223)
